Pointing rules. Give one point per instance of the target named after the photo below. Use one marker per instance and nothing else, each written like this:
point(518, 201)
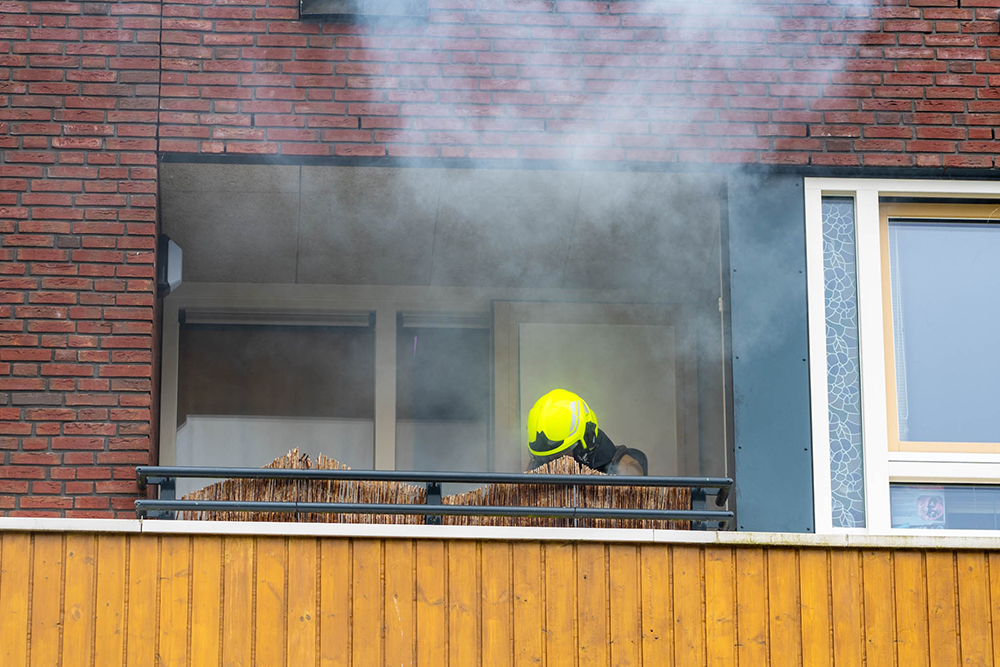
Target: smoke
point(561, 195)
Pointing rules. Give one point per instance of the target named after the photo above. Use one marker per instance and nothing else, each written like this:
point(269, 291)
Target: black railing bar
point(155, 474)
point(143, 506)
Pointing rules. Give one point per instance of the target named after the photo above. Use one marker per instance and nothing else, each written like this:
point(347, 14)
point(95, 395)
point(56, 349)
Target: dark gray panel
point(367, 225)
point(232, 236)
point(504, 227)
point(407, 8)
point(645, 231)
point(770, 350)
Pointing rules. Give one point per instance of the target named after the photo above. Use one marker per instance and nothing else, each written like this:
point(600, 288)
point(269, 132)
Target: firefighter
point(562, 423)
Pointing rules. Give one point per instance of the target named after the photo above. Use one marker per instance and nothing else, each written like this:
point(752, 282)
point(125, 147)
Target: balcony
point(178, 593)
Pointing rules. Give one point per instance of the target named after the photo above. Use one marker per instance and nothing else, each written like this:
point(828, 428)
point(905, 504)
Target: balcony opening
point(479, 290)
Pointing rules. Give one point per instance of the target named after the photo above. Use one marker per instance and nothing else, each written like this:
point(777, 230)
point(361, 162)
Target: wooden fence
point(106, 599)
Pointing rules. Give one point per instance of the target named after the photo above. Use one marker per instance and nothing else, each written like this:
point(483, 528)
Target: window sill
point(897, 539)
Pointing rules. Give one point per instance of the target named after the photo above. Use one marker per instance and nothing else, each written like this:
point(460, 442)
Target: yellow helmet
point(559, 421)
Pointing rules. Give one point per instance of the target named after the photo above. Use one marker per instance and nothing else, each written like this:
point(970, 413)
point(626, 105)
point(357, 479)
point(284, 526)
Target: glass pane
point(840, 282)
point(442, 398)
point(247, 394)
point(423, 241)
point(945, 281)
point(959, 507)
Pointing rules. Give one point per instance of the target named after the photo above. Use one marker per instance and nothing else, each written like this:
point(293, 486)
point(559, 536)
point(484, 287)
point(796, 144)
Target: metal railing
point(167, 505)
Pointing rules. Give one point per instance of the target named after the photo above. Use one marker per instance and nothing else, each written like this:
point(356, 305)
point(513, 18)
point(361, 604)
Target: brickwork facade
point(822, 83)
point(91, 91)
point(78, 97)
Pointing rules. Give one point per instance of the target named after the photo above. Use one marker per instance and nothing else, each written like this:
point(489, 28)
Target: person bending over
point(561, 423)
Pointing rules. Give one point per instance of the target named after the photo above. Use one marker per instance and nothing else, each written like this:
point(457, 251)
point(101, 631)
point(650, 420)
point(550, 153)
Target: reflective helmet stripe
point(560, 445)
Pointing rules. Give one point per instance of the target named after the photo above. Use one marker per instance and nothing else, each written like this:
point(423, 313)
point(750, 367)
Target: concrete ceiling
point(455, 227)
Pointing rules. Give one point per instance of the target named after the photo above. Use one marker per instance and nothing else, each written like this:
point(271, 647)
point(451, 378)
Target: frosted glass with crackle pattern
point(843, 364)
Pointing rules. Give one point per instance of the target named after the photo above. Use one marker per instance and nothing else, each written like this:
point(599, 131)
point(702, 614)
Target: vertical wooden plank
point(303, 623)
point(237, 607)
point(46, 589)
point(143, 574)
point(431, 603)
point(206, 599)
point(175, 569)
point(689, 631)
point(720, 607)
point(367, 602)
point(657, 603)
point(623, 566)
point(845, 579)
point(560, 603)
point(109, 643)
point(910, 596)
point(784, 631)
point(270, 620)
point(335, 602)
point(400, 639)
point(751, 606)
point(592, 603)
point(974, 609)
point(993, 561)
point(880, 631)
point(941, 608)
point(15, 566)
point(527, 603)
point(78, 605)
point(814, 592)
point(496, 603)
point(463, 603)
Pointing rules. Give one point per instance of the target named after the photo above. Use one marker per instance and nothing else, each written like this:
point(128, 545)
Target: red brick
point(77, 443)
point(41, 502)
point(21, 472)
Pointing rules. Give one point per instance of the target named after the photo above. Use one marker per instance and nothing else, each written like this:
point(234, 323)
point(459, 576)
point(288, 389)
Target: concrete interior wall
point(655, 232)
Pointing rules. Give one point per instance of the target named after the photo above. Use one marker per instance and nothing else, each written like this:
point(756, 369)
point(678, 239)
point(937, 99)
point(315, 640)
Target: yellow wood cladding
point(177, 600)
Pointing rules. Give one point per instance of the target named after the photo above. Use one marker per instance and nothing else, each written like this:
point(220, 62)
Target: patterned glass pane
point(843, 363)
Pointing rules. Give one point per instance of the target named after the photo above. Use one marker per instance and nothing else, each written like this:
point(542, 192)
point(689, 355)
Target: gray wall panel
point(770, 350)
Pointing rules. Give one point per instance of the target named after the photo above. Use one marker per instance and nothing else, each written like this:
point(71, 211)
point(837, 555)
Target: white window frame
point(881, 467)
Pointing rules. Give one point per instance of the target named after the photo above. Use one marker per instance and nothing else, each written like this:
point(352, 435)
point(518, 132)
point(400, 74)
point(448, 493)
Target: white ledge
point(909, 539)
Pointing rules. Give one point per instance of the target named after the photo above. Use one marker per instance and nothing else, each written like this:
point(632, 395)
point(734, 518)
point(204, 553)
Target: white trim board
point(951, 472)
point(912, 539)
point(819, 393)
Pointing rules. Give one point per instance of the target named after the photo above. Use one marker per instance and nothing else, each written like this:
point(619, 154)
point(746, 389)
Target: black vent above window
point(335, 8)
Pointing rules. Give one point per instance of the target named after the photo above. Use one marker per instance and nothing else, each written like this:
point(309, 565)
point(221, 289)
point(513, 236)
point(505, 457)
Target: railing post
point(698, 503)
point(168, 491)
point(433, 498)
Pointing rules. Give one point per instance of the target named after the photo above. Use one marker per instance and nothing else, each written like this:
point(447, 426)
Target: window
point(442, 393)
point(248, 392)
point(955, 507)
point(919, 435)
point(942, 280)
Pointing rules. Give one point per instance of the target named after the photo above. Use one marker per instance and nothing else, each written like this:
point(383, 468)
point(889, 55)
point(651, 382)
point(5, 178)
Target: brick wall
point(78, 95)
point(822, 82)
point(798, 82)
